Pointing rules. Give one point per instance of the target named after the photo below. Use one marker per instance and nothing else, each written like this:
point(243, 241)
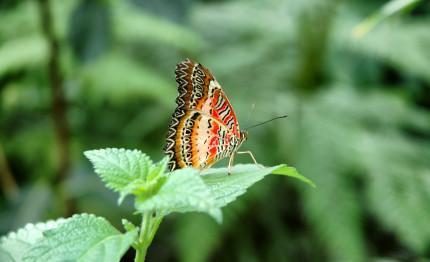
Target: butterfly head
point(243, 135)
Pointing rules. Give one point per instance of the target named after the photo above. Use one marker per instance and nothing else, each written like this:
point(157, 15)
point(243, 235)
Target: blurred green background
point(77, 75)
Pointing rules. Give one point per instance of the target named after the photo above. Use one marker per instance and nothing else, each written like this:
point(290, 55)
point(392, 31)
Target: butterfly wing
point(204, 127)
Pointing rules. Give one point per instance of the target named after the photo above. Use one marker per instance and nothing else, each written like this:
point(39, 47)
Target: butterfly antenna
point(266, 121)
point(249, 116)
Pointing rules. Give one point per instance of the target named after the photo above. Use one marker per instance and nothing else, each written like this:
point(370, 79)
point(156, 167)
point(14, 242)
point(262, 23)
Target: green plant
point(85, 237)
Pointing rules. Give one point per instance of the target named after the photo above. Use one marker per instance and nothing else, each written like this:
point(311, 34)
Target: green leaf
point(389, 9)
point(158, 169)
point(409, 56)
point(16, 244)
point(89, 30)
point(124, 171)
point(136, 187)
point(142, 80)
point(226, 189)
point(149, 187)
point(292, 172)
point(135, 24)
point(21, 53)
point(82, 238)
point(128, 225)
point(183, 191)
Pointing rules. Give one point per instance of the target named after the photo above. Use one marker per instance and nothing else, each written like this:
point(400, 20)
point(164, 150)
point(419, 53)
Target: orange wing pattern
point(204, 127)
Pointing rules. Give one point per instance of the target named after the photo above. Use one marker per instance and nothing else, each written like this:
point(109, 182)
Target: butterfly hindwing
point(201, 140)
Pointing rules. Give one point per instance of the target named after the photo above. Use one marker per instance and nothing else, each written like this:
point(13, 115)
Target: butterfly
point(204, 127)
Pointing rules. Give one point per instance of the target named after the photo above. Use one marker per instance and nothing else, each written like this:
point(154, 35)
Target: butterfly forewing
point(204, 127)
point(198, 89)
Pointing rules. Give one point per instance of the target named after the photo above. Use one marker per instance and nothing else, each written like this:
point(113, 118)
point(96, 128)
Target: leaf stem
point(154, 227)
point(147, 232)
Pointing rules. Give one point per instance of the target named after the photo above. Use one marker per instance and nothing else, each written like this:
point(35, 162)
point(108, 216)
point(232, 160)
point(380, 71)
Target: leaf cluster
point(184, 190)
point(89, 238)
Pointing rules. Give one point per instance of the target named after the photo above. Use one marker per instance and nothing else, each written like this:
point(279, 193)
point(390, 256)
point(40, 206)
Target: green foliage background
point(358, 121)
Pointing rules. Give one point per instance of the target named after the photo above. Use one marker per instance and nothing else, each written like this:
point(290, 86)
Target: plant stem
point(59, 104)
point(8, 184)
point(147, 231)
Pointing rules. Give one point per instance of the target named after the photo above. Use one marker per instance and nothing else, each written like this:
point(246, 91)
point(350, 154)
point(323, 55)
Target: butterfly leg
point(249, 152)
point(230, 163)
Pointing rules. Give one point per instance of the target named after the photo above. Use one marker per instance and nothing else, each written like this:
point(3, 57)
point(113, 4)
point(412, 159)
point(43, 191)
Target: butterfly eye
point(243, 134)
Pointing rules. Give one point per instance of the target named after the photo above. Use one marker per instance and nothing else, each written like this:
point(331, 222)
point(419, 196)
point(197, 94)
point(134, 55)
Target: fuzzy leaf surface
point(81, 238)
point(182, 191)
point(126, 171)
point(225, 188)
point(16, 244)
